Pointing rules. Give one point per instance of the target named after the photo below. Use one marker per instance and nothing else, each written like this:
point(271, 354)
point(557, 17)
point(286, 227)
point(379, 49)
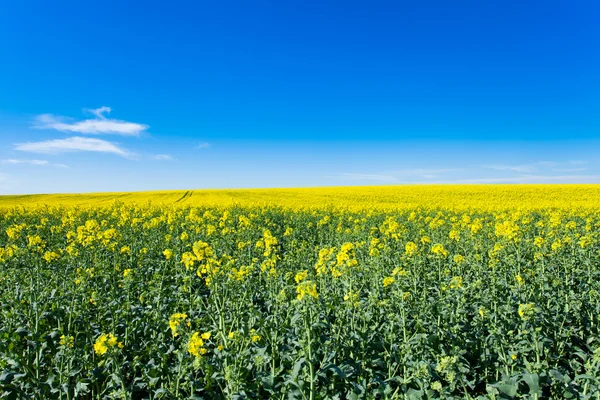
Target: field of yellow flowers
point(411, 292)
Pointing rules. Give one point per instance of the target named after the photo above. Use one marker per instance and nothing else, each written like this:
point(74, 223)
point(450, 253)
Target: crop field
point(408, 292)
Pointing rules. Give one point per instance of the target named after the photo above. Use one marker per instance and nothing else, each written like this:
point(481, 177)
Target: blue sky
point(112, 96)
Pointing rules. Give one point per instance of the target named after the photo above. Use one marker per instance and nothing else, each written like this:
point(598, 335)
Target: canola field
point(408, 292)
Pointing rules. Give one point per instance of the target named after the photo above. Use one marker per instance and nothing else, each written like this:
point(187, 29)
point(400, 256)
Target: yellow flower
point(307, 288)
point(168, 254)
point(507, 230)
point(174, 322)
point(254, 337)
point(526, 311)
point(458, 259)
point(300, 276)
point(126, 272)
point(105, 342)
point(388, 281)
point(439, 250)
point(352, 297)
point(410, 248)
point(557, 245)
point(100, 347)
point(456, 282)
point(519, 279)
point(454, 235)
point(112, 340)
point(585, 241)
point(195, 345)
point(50, 256)
point(206, 335)
point(67, 341)
point(125, 250)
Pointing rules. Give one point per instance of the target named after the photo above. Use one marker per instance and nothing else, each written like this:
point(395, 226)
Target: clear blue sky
point(116, 96)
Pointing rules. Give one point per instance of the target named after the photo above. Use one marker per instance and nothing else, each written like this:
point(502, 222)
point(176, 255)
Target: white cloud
point(515, 168)
point(99, 112)
point(366, 177)
point(203, 145)
point(568, 169)
point(535, 179)
point(426, 171)
point(72, 144)
point(398, 176)
point(32, 162)
point(537, 166)
point(13, 161)
point(163, 157)
point(93, 126)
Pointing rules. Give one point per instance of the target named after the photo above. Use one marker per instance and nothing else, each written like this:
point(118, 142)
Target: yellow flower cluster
point(196, 344)
point(105, 342)
point(439, 250)
point(387, 281)
point(175, 322)
point(526, 311)
point(307, 288)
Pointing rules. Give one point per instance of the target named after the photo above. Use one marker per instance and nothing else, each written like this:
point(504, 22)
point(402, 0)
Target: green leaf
point(508, 389)
point(533, 381)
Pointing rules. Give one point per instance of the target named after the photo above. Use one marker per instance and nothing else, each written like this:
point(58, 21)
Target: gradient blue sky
point(296, 93)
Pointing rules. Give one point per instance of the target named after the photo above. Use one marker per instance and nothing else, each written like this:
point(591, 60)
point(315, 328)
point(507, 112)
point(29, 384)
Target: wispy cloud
point(163, 157)
point(99, 112)
point(539, 166)
point(13, 161)
point(32, 162)
point(93, 126)
point(534, 179)
point(72, 144)
point(568, 169)
point(515, 168)
point(407, 175)
point(203, 145)
point(426, 173)
point(364, 177)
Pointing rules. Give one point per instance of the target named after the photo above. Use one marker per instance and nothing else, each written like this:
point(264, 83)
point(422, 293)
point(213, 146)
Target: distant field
point(357, 197)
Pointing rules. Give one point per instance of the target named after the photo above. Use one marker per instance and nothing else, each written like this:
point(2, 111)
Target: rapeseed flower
point(105, 342)
point(196, 345)
point(175, 322)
